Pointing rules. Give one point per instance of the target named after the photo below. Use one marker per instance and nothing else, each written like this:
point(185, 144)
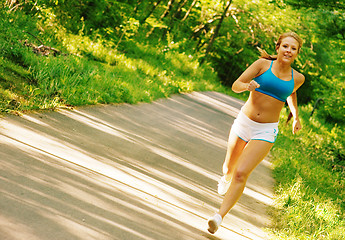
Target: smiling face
point(288, 49)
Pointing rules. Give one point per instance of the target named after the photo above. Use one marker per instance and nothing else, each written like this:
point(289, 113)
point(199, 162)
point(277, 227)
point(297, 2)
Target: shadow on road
point(146, 171)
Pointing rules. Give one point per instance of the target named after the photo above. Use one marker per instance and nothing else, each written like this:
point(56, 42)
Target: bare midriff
point(262, 108)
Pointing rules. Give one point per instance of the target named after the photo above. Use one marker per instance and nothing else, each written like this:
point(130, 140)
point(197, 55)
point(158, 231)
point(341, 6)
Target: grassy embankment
point(310, 175)
point(89, 70)
point(143, 74)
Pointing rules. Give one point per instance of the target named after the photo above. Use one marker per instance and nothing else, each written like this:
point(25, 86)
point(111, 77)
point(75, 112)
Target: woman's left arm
point(292, 102)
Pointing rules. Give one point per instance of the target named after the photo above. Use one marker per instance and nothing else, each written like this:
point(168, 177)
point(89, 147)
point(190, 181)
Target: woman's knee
point(240, 176)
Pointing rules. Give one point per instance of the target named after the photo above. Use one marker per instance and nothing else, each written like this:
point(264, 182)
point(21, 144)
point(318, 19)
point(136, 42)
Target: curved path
point(145, 171)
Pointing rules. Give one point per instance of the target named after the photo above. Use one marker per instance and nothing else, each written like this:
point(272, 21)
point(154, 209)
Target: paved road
point(145, 171)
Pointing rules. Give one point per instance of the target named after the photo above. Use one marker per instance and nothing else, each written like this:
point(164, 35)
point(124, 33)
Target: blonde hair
point(294, 35)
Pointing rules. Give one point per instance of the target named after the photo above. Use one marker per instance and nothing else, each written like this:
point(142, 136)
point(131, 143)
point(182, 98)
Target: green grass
point(142, 75)
point(91, 70)
point(310, 189)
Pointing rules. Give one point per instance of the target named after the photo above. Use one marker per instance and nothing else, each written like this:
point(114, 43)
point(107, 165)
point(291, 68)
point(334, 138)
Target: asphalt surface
point(144, 171)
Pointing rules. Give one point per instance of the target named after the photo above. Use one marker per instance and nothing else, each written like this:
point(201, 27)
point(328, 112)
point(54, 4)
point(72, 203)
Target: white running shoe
point(214, 222)
point(223, 185)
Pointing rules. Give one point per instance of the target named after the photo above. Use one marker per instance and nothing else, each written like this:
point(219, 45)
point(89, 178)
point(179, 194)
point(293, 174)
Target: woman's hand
point(252, 85)
point(296, 126)
point(245, 82)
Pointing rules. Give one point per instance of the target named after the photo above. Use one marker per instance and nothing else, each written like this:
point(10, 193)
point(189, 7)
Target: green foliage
point(329, 4)
point(332, 108)
point(94, 71)
point(309, 169)
point(250, 25)
point(17, 89)
point(14, 30)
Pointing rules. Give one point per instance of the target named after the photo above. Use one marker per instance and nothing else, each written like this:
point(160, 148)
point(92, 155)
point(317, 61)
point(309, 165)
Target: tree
point(150, 11)
point(320, 4)
point(167, 10)
point(189, 10)
point(177, 13)
point(216, 31)
point(179, 9)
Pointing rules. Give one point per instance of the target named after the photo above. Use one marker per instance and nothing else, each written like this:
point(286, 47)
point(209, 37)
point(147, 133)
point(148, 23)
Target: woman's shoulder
point(299, 77)
point(263, 61)
point(262, 65)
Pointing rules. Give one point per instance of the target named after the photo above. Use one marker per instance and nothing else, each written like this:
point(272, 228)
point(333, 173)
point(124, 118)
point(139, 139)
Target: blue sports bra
point(274, 86)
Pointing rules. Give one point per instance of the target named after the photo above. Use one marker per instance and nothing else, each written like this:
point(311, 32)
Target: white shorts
point(247, 129)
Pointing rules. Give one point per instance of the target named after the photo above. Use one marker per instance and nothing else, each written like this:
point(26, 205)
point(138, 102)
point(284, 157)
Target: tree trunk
point(189, 10)
point(216, 32)
point(10, 3)
point(203, 26)
point(166, 12)
point(150, 12)
point(176, 14)
point(179, 8)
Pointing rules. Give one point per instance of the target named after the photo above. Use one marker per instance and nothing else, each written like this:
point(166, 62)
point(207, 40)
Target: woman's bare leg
point(254, 152)
point(234, 150)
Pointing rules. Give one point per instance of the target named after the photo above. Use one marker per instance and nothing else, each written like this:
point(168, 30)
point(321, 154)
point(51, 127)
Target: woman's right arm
point(245, 82)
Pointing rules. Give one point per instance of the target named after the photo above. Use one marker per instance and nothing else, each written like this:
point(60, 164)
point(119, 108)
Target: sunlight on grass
point(94, 71)
point(309, 190)
point(309, 216)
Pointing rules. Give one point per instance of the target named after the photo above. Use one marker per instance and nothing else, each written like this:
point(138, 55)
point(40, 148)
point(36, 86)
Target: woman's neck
point(282, 66)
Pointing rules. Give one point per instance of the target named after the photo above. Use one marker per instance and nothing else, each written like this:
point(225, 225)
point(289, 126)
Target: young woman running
point(271, 81)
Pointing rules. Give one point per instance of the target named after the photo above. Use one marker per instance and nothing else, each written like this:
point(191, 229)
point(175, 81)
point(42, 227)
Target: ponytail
point(265, 55)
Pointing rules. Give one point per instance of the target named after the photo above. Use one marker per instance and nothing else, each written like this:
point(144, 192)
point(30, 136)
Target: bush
point(15, 29)
point(333, 107)
point(310, 170)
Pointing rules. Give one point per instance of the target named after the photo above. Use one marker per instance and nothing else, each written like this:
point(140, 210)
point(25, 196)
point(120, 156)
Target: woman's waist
point(262, 108)
point(261, 114)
